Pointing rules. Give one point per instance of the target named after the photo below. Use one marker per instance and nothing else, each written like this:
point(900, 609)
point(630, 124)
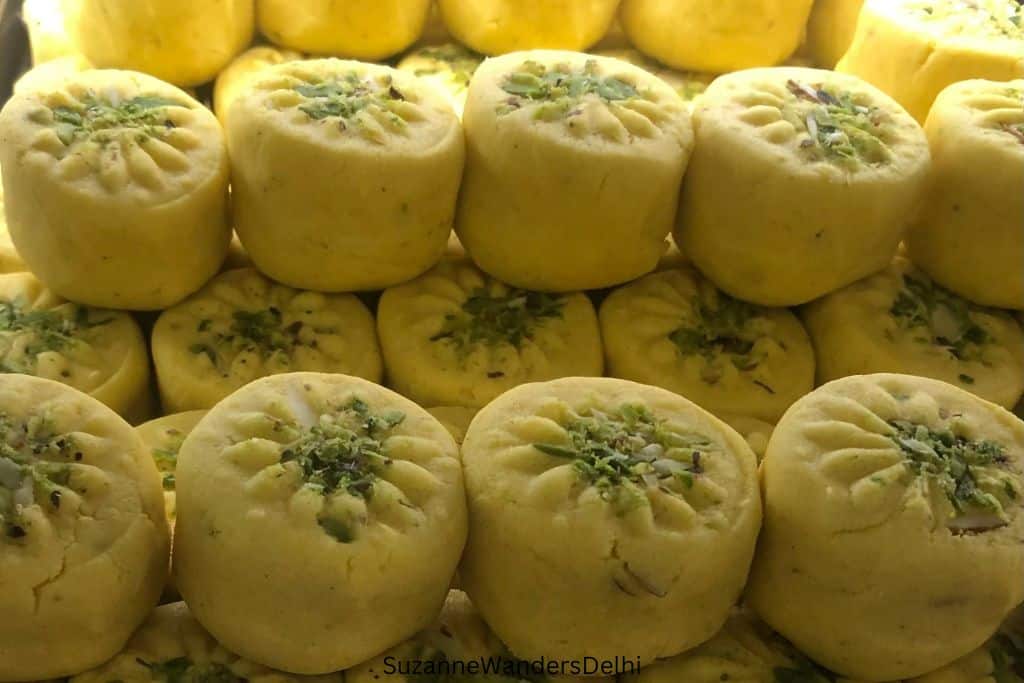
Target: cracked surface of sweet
point(636, 459)
point(478, 336)
point(243, 326)
point(822, 122)
point(591, 98)
point(352, 101)
point(997, 107)
point(44, 335)
point(343, 462)
point(123, 136)
point(901, 452)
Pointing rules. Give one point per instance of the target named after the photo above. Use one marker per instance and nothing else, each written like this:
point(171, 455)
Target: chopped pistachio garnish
point(975, 475)
point(839, 130)
point(559, 89)
point(976, 18)
point(627, 450)
point(690, 88)
point(459, 62)
point(260, 331)
point(350, 101)
point(688, 84)
point(184, 670)
point(144, 115)
point(43, 330)
point(34, 470)
point(490, 318)
point(719, 325)
point(343, 453)
point(166, 458)
point(945, 318)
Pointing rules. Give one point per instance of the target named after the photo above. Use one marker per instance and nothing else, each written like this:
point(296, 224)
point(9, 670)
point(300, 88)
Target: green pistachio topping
point(44, 330)
point(261, 331)
point(941, 318)
point(166, 457)
point(348, 98)
point(492, 318)
point(721, 327)
point(689, 88)
point(980, 18)
point(343, 453)
point(558, 89)
point(184, 670)
point(627, 450)
point(453, 60)
point(96, 117)
point(975, 475)
point(34, 470)
point(838, 129)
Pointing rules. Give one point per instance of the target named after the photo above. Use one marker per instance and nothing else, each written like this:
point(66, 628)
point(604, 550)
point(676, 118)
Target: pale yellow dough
point(358, 29)
point(185, 42)
point(233, 79)
point(757, 432)
point(913, 49)
point(689, 84)
point(10, 260)
point(448, 67)
point(50, 26)
point(99, 352)
point(243, 326)
point(969, 235)
point(675, 330)
point(830, 30)
point(116, 188)
point(561, 192)
point(345, 174)
point(51, 74)
point(458, 337)
point(884, 554)
point(434, 30)
point(83, 538)
point(455, 419)
point(988, 664)
point(320, 520)
point(898, 320)
point(557, 553)
point(172, 646)
point(715, 35)
point(781, 203)
point(614, 38)
point(163, 438)
point(495, 27)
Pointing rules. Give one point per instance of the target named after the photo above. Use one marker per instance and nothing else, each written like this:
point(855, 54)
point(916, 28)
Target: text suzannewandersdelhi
point(509, 667)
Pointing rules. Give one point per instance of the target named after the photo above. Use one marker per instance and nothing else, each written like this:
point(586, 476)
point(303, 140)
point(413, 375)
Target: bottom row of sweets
point(599, 527)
